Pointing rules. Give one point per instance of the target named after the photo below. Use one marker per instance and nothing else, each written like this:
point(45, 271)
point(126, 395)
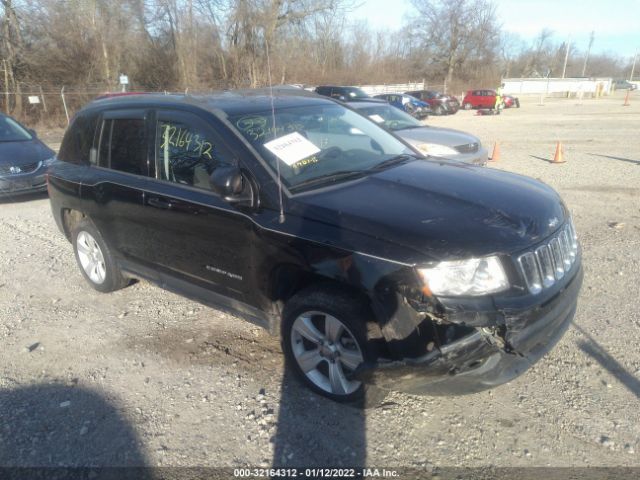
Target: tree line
point(200, 45)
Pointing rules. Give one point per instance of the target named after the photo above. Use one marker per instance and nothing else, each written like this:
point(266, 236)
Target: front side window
point(188, 151)
point(12, 131)
point(340, 141)
point(123, 146)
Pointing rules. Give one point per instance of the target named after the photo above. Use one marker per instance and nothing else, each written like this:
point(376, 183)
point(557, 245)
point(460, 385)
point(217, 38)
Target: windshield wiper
point(328, 178)
point(392, 161)
point(408, 127)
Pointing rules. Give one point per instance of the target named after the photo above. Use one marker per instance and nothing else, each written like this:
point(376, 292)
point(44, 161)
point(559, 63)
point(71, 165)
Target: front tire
point(324, 335)
point(467, 106)
point(439, 110)
point(95, 260)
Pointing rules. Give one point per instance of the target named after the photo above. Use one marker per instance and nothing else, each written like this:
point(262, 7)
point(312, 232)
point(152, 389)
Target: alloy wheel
point(326, 351)
point(91, 258)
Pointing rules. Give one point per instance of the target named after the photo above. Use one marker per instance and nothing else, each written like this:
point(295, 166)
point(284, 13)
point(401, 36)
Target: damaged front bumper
point(484, 359)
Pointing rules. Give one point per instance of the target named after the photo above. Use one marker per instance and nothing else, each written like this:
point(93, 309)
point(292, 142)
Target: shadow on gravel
point(541, 158)
point(58, 426)
point(22, 198)
point(316, 432)
point(600, 355)
point(621, 159)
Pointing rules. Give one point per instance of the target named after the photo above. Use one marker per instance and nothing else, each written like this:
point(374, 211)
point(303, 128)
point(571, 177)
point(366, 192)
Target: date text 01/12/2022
point(315, 473)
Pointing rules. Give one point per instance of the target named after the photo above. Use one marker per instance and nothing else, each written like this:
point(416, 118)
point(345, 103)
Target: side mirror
point(226, 181)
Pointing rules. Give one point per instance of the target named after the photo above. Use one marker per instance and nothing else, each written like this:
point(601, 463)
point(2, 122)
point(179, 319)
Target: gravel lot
point(144, 377)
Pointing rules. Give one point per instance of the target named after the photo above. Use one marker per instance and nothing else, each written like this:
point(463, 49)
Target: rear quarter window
point(78, 140)
point(123, 145)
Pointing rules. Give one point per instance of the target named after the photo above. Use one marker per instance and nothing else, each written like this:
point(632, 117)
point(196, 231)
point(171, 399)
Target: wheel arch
point(69, 219)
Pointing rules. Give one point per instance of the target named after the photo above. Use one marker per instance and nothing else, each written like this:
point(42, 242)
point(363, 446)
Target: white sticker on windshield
point(376, 118)
point(291, 148)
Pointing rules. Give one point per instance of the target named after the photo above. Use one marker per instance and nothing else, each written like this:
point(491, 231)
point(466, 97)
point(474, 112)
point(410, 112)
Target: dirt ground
point(144, 377)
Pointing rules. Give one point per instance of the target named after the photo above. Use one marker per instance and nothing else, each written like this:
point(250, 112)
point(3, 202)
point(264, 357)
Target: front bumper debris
point(483, 360)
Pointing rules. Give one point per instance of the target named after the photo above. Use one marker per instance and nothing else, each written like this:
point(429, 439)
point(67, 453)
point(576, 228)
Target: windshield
point(390, 117)
point(11, 131)
point(316, 144)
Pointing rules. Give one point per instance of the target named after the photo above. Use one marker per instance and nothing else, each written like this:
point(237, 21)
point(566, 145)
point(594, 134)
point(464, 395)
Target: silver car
point(438, 142)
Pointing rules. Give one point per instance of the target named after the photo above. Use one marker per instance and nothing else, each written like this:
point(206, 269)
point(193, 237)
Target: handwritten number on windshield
point(182, 137)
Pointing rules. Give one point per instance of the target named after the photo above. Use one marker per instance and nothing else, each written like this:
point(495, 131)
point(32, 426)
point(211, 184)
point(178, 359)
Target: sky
point(616, 23)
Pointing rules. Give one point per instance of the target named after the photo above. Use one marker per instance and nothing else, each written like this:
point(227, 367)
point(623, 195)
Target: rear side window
point(123, 145)
point(78, 140)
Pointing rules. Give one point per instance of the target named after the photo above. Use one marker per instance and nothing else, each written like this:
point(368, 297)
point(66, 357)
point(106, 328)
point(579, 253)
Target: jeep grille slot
point(548, 263)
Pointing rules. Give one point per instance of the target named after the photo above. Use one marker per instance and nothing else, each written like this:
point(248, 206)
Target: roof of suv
point(231, 102)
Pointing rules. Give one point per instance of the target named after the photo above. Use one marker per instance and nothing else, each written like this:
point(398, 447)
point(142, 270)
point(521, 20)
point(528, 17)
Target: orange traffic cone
point(626, 99)
point(558, 157)
point(495, 156)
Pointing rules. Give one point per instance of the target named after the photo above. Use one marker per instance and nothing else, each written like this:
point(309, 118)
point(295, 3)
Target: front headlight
point(472, 277)
point(436, 150)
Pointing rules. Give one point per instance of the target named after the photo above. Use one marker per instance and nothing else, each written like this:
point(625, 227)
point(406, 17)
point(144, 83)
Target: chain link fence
point(53, 106)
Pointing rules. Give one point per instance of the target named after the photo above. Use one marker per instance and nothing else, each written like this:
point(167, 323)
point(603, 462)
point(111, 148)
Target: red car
point(440, 103)
point(479, 99)
point(487, 99)
point(510, 101)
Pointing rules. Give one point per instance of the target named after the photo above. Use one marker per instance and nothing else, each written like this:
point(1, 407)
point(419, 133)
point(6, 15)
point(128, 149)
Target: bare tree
point(454, 31)
point(12, 47)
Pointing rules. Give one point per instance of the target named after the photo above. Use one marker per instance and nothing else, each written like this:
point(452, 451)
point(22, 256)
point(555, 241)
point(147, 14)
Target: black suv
point(374, 264)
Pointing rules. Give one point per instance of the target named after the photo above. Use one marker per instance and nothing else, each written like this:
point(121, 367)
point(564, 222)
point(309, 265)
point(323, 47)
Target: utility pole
point(566, 57)
point(586, 58)
point(633, 66)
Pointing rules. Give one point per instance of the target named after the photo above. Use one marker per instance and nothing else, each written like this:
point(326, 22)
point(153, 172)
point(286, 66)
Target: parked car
point(344, 94)
point(479, 99)
point(437, 142)
point(23, 159)
point(440, 103)
point(510, 101)
point(301, 215)
point(407, 103)
point(624, 85)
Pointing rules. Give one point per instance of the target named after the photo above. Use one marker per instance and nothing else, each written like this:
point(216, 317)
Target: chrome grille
point(548, 263)
point(468, 148)
point(19, 169)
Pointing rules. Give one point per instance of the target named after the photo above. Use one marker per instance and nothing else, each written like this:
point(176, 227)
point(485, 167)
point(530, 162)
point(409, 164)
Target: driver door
point(196, 236)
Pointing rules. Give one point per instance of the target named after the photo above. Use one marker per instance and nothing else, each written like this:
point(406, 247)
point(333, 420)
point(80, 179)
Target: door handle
point(160, 203)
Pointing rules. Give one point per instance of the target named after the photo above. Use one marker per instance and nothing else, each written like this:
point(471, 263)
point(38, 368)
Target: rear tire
point(95, 259)
point(324, 334)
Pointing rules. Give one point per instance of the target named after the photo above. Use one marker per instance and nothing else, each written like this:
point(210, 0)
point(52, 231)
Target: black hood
point(22, 153)
point(440, 210)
